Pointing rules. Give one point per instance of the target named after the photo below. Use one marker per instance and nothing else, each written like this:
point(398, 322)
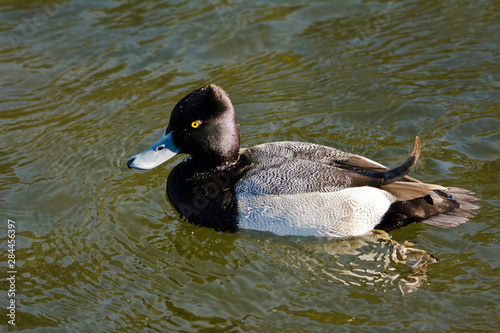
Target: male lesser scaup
point(288, 188)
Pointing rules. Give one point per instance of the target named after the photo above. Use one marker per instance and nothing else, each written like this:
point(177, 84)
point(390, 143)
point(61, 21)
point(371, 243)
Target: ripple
point(100, 248)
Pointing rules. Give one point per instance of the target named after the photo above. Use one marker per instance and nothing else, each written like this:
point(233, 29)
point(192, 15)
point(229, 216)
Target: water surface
point(85, 85)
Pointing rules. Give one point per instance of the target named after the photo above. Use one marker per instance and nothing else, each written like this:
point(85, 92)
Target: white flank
point(349, 212)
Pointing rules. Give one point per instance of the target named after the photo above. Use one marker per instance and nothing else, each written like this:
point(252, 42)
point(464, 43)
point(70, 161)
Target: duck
point(288, 188)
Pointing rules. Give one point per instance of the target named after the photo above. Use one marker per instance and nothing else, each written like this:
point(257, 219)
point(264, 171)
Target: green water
point(86, 85)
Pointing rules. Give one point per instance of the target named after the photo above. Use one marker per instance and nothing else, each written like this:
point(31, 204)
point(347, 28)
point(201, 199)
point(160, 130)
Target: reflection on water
point(84, 85)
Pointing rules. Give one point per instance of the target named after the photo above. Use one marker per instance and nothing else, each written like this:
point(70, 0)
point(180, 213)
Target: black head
point(202, 124)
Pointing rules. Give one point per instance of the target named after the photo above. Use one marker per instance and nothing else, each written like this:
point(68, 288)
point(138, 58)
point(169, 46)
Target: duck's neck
point(206, 163)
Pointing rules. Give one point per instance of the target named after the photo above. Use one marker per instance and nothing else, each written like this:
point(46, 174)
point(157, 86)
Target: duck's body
point(288, 188)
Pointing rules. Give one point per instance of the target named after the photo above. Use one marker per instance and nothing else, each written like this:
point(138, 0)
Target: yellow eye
point(195, 124)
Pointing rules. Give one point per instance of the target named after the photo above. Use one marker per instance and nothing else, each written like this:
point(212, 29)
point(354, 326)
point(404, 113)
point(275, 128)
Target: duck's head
point(203, 125)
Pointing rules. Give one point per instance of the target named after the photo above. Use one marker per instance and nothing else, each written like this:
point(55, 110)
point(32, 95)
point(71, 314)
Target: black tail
point(445, 208)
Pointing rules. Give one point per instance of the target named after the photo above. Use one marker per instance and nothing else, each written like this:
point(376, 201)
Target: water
point(85, 85)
